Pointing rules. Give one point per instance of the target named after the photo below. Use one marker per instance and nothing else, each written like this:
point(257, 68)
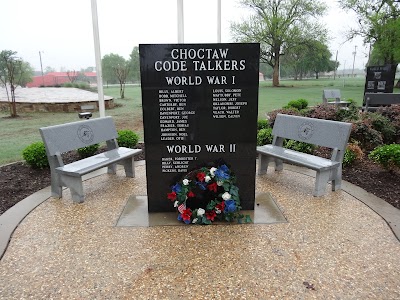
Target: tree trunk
point(275, 75)
point(121, 90)
point(13, 104)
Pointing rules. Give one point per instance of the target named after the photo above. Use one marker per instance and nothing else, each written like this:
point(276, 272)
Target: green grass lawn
point(20, 132)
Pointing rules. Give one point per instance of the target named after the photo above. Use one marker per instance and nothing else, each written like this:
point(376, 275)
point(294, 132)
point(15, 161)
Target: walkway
point(332, 247)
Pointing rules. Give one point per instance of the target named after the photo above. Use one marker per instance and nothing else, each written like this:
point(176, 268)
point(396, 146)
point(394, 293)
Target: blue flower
point(180, 217)
point(187, 221)
point(230, 206)
point(224, 168)
point(177, 188)
point(221, 175)
point(201, 185)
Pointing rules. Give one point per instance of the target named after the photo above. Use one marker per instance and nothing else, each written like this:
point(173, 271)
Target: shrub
point(83, 86)
point(35, 155)
point(324, 111)
point(88, 150)
point(367, 137)
point(393, 114)
point(127, 138)
point(299, 146)
point(383, 125)
point(298, 104)
point(353, 153)
point(388, 156)
point(272, 114)
point(350, 114)
point(68, 84)
point(264, 136)
point(262, 124)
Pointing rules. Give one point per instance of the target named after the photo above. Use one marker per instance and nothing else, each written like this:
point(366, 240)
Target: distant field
point(16, 134)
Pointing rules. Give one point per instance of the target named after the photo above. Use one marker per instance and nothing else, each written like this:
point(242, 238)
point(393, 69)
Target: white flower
point(176, 204)
point(220, 183)
point(212, 171)
point(200, 212)
point(194, 220)
point(185, 181)
point(207, 178)
point(226, 196)
point(218, 211)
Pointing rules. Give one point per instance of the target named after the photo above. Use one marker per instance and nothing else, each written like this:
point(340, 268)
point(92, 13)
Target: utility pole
point(41, 67)
point(354, 59)
point(334, 73)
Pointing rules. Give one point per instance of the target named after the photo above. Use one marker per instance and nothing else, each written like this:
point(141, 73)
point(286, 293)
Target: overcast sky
point(63, 32)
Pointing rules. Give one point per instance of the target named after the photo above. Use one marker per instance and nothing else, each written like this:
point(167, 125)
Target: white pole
point(98, 59)
point(180, 22)
point(219, 22)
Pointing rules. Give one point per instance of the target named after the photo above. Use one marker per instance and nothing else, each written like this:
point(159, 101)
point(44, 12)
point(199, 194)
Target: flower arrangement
point(207, 194)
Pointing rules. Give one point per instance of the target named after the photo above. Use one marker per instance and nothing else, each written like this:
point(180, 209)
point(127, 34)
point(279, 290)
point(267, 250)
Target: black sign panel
point(200, 104)
point(380, 79)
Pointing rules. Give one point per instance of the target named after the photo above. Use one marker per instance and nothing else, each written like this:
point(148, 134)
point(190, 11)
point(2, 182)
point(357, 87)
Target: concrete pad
point(136, 214)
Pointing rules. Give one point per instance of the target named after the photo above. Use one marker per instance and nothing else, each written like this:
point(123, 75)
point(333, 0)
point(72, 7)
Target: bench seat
point(89, 164)
point(298, 158)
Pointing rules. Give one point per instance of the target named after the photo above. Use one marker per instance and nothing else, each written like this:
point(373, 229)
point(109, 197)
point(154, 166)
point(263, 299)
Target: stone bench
point(70, 136)
point(372, 101)
point(334, 97)
point(331, 134)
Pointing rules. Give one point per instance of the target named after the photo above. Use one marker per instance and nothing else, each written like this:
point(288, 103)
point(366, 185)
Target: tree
point(135, 64)
point(279, 25)
point(379, 25)
point(13, 72)
point(72, 75)
point(116, 69)
point(49, 69)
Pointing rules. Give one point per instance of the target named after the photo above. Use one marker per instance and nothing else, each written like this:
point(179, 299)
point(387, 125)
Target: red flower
point(190, 194)
point(213, 187)
point(220, 206)
point(186, 214)
point(172, 196)
point(211, 215)
point(200, 176)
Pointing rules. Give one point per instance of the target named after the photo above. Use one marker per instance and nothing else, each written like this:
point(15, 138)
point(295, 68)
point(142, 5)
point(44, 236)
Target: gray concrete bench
point(70, 136)
point(331, 134)
point(374, 100)
point(334, 97)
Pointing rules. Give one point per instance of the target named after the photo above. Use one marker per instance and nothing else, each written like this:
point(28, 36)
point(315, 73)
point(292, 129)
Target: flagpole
point(97, 54)
point(180, 22)
point(219, 22)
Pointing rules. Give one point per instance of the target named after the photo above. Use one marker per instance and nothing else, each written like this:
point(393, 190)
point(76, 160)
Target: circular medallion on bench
point(306, 130)
point(85, 134)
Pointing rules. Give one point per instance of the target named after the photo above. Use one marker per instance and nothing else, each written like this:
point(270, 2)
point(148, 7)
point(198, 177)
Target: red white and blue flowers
point(206, 195)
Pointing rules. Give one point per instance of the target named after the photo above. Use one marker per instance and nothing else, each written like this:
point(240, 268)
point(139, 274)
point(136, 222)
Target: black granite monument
point(380, 79)
point(200, 104)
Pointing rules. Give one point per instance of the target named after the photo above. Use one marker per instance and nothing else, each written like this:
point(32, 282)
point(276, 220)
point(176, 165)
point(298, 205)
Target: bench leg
point(278, 165)
point(337, 180)
point(320, 183)
point(76, 187)
point(129, 166)
point(263, 161)
point(56, 188)
point(112, 169)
